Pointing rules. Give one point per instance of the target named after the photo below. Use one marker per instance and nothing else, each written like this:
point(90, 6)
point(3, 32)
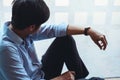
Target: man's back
point(15, 59)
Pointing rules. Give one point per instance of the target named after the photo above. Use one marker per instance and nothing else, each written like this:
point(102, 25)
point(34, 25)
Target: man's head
point(29, 12)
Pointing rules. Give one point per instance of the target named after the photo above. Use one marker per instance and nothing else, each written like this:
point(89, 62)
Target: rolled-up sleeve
point(50, 31)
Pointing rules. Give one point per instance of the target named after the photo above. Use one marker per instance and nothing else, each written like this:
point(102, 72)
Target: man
point(18, 60)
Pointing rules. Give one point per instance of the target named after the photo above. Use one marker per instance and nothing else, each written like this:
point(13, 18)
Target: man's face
point(34, 29)
point(31, 29)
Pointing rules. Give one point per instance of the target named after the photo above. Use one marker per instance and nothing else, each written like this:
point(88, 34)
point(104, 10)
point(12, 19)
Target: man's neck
point(21, 33)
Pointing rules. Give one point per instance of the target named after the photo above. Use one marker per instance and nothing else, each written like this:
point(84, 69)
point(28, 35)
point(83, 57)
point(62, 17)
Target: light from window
point(99, 18)
point(7, 2)
point(61, 17)
point(117, 2)
point(81, 18)
point(61, 2)
point(7, 16)
point(116, 18)
point(101, 2)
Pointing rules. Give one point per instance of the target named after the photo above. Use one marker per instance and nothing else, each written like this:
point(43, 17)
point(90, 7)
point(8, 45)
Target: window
point(102, 15)
point(62, 2)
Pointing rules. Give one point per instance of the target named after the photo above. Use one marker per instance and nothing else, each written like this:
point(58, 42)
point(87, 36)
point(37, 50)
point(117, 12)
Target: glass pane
point(7, 2)
point(116, 18)
point(101, 2)
point(81, 18)
point(7, 16)
point(99, 18)
point(61, 17)
point(61, 2)
point(117, 2)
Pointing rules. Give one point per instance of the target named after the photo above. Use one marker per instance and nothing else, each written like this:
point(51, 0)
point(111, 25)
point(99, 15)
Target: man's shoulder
point(5, 44)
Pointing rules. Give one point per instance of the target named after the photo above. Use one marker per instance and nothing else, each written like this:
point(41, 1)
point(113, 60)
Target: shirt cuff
point(61, 30)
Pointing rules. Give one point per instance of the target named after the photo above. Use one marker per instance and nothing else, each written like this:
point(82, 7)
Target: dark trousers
point(63, 50)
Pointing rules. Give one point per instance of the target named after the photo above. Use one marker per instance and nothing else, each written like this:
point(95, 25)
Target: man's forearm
point(74, 30)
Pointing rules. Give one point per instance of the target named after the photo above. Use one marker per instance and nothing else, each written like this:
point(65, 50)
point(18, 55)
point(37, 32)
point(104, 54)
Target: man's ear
point(32, 27)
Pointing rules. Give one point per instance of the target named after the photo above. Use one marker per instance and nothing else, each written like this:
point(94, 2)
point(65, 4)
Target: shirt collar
point(12, 35)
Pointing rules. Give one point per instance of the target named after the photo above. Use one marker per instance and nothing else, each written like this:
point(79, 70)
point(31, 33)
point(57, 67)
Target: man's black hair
point(29, 12)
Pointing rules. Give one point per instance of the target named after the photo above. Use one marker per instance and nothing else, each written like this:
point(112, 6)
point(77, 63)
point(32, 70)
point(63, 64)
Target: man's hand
point(69, 75)
point(98, 38)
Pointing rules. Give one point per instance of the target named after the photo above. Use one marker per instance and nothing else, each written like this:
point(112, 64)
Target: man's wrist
point(86, 31)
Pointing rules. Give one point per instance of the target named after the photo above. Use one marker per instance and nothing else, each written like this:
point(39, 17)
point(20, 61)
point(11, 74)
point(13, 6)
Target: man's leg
point(63, 49)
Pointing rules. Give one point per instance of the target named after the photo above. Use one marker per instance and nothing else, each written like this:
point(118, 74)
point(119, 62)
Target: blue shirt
point(18, 59)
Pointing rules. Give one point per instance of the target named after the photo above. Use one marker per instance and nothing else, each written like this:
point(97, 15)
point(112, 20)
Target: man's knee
point(68, 39)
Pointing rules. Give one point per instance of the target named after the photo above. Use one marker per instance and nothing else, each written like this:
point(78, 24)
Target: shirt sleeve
point(50, 31)
point(11, 66)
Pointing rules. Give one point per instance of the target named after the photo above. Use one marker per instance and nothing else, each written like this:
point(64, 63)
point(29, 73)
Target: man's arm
point(47, 31)
point(98, 38)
